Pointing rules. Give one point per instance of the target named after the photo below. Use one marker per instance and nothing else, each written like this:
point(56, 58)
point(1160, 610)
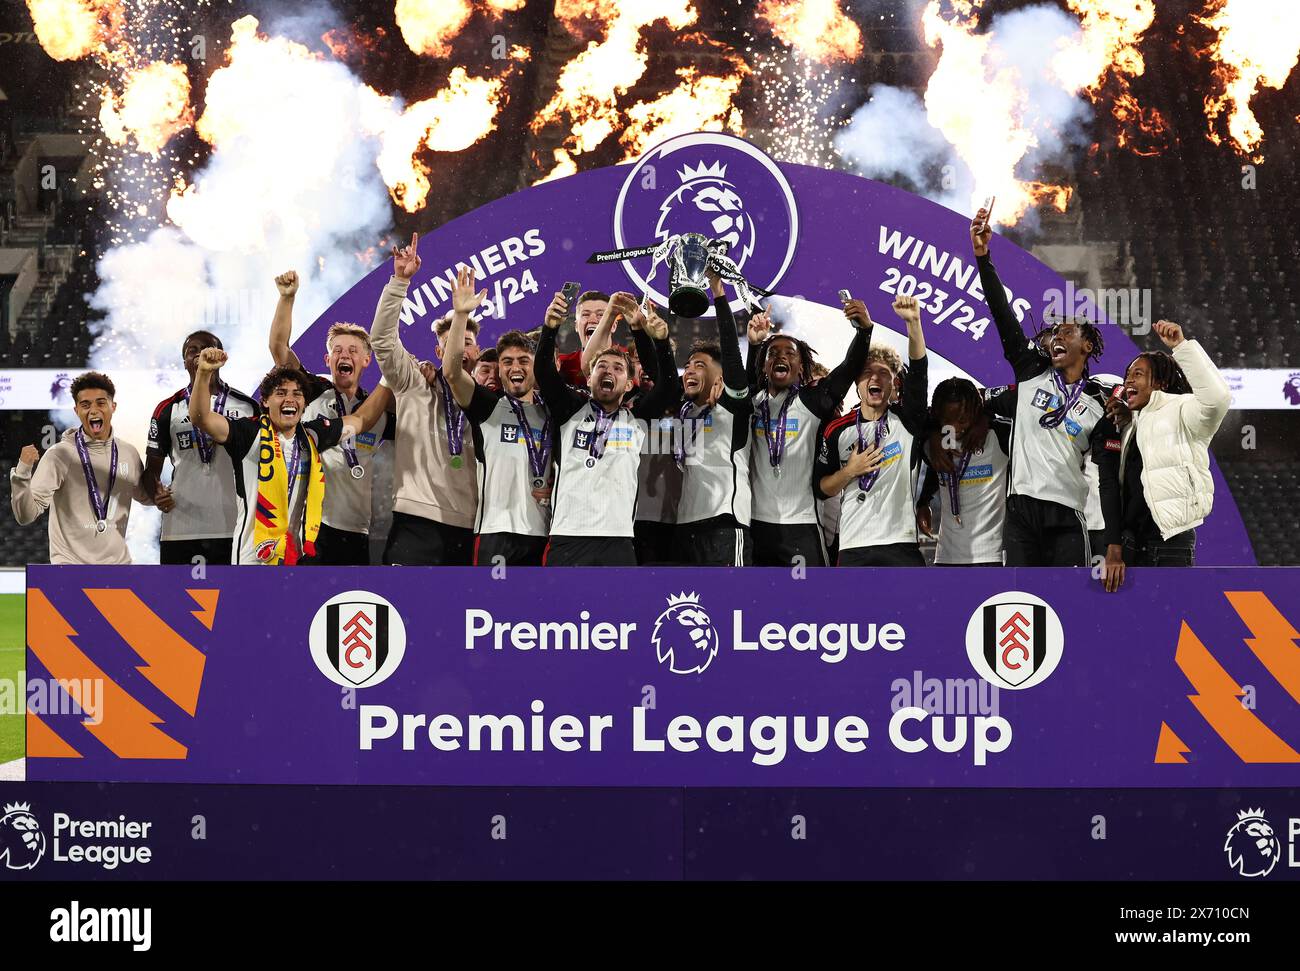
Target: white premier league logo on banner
point(22, 844)
point(1252, 845)
point(357, 639)
point(1014, 640)
point(683, 635)
point(718, 186)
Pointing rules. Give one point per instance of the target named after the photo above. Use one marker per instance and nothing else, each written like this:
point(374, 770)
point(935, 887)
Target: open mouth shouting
point(780, 370)
point(346, 369)
point(586, 334)
point(518, 378)
point(289, 412)
point(875, 392)
point(607, 384)
point(1058, 350)
point(96, 423)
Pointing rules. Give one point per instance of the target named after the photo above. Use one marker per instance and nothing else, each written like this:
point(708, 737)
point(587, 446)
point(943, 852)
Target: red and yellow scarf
point(271, 538)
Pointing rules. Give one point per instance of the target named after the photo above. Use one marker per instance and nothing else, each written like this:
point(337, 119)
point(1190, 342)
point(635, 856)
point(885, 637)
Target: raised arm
point(826, 396)
point(1210, 398)
point(760, 326)
point(562, 400)
point(602, 338)
point(282, 321)
point(32, 484)
point(667, 388)
point(916, 382)
point(202, 416)
point(735, 380)
point(395, 363)
point(463, 301)
point(1024, 358)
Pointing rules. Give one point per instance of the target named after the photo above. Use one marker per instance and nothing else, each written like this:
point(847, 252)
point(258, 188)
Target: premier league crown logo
point(704, 198)
point(1252, 846)
point(22, 844)
point(684, 636)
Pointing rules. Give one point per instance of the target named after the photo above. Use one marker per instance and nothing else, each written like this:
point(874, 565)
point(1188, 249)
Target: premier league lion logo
point(1292, 389)
point(684, 635)
point(1252, 846)
point(705, 194)
point(22, 844)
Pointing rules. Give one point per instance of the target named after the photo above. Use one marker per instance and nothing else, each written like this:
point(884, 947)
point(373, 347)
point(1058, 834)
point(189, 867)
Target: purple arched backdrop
point(814, 232)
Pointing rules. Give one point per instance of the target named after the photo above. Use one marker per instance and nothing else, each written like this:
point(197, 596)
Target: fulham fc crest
point(1014, 640)
point(357, 639)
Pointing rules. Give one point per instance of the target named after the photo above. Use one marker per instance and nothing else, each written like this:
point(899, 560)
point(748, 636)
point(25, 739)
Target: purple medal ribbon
point(453, 418)
point(1069, 394)
point(349, 450)
point(98, 500)
point(539, 453)
point(201, 441)
point(291, 466)
point(679, 453)
point(604, 424)
point(776, 442)
point(865, 482)
point(953, 481)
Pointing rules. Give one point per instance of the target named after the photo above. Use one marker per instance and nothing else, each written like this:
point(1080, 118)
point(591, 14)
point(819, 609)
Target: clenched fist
point(287, 284)
point(908, 310)
point(30, 456)
point(211, 358)
point(1170, 333)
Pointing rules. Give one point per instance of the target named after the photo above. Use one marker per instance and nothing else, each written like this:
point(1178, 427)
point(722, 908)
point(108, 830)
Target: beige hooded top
point(59, 485)
point(426, 481)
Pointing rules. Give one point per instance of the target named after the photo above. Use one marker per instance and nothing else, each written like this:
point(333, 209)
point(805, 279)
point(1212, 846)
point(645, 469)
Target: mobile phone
point(845, 296)
point(988, 212)
point(570, 294)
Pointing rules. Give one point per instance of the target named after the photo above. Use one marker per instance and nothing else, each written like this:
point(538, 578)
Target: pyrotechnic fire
point(429, 26)
point(589, 85)
point(153, 107)
point(453, 119)
point(699, 103)
point(1102, 65)
point(71, 29)
point(1257, 46)
point(817, 29)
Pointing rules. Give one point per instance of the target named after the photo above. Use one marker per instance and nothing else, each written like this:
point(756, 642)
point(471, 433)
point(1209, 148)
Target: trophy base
point(689, 301)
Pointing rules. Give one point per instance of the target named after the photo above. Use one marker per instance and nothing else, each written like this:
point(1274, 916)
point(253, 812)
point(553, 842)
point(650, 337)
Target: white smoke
point(894, 137)
point(291, 183)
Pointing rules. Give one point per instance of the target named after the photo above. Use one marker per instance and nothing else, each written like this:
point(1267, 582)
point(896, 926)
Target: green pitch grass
point(12, 658)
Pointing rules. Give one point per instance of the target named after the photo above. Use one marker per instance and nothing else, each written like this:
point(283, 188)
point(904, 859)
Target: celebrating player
point(433, 466)
point(591, 315)
point(598, 449)
point(787, 414)
point(1059, 414)
point(716, 413)
point(512, 441)
point(972, 495)
point(487, 371)
point(279, 480)
point(200, 522)
point(86, 481)
point(344, 538)
point(1174, 404)
point(869, 457)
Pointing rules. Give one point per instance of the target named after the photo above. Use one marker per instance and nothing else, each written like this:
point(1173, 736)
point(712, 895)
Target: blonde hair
point(886, 356)
point(347, 330)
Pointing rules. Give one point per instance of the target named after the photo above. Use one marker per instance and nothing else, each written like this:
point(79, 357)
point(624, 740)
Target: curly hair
point(1090, 331)
point(954, 391)
point(806, 355)
point(281, 374)
point(95, 380)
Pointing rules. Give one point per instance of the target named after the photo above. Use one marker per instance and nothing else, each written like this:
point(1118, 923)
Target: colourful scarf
point(275, 485)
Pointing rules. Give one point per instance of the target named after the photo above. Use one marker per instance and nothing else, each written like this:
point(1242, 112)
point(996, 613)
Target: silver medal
point(358, 472)
point(101, 526)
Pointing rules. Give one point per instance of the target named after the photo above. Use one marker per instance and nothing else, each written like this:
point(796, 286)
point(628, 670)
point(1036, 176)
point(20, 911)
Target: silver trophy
point(688, 285)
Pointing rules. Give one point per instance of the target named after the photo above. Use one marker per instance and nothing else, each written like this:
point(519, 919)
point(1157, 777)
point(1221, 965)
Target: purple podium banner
point(802, 232)
point(664, 677)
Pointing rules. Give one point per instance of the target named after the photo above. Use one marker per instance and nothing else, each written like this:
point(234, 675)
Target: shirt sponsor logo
point(185, 440)
point(977, 475)
point(582, 439)
point(1044, 400)
point(791, 427)
point(1073, 427)
point(509, 434)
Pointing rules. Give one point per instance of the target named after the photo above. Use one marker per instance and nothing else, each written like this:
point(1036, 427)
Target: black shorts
point(416, 541)
point(590, 551)
point(338, 547)
point(779, 544)
point(890, 554)
point(716, 542)
point(513, 548)
point(211, 552)
point(1042, 533)
point(656, 544)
